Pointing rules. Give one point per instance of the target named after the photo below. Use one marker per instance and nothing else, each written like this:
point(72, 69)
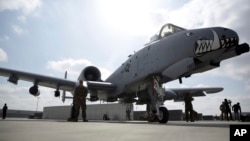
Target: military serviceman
point(236, 108)
point(189, 108)
point(5, 108)
point(79, 101)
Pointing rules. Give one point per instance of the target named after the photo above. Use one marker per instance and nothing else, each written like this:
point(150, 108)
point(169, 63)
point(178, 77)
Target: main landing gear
point(155, 109)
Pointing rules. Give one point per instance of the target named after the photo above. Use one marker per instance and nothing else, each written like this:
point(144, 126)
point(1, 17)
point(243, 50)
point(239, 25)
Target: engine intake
point(90, 73)
point(34, 90)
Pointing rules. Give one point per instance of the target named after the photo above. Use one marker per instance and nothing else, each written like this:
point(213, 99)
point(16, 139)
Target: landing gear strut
point(156, 112)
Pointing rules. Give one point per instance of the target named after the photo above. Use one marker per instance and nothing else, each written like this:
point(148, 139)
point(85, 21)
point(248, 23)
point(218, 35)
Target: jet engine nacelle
point(93, 96)
point(90, 73)
point(169, 94)
point(34, 90)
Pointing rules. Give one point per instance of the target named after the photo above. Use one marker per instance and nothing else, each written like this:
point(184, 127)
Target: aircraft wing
point(52, 82)
point(103, 86)
point(194, 92)
point(42, 80)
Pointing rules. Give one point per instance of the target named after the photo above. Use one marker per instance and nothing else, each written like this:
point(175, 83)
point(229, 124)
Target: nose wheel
point(163, 115)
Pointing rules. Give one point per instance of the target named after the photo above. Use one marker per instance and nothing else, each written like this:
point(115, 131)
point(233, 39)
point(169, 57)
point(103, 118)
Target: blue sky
point(49, 37)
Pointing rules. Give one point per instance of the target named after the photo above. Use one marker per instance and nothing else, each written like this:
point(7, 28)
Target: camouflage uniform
point(79, 100)
point(223, 111)
point(189, 108)
point(228, 110)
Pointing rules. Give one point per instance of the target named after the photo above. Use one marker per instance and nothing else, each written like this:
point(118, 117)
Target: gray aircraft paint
point(169, 56)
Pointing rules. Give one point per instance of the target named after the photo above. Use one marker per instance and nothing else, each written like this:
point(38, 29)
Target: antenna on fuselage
point(65, 75)
point(180, 80)
point(64, 92)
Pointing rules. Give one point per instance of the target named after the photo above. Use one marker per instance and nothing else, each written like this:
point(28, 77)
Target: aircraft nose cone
point(227, 37)
point(219, 39)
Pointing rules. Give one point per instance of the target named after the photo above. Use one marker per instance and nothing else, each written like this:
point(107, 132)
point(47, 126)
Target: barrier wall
point(114, 111)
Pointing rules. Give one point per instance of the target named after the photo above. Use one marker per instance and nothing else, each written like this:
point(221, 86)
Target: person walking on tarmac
point(189, 108)
point(228, 110)
point(79, 101)
point(236, 108)
point(5, 108)
point(223, 111)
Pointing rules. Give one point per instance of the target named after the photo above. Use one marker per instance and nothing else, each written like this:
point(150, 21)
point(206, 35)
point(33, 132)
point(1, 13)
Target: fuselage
point(176, 55)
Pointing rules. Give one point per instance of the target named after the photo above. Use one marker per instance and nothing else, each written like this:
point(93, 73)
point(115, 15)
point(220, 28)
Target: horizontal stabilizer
point(194, 92)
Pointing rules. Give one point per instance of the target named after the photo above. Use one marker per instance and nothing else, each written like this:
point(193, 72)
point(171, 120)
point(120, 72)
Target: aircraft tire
point(164, 115)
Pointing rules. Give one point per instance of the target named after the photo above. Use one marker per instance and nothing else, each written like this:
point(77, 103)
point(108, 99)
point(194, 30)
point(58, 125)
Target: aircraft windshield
point(166, 30)
point(169, 29)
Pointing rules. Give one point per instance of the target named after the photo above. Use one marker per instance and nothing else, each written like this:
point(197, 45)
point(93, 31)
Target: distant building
point(114, 111)
point(21, 114)
point(245, 116)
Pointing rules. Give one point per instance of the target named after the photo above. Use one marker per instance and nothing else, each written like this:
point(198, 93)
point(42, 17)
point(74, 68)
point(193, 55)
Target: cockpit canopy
point(166, 30)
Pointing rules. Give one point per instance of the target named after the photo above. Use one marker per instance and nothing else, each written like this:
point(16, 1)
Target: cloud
point(3, 56)
point(225, 14)
point(4, 38)
point(71, 65)
point(199, 13)
point(26, 6)
point(74, 66)
point(17, 29)
point(22, 19)
point(18, 97)
point(236, 69)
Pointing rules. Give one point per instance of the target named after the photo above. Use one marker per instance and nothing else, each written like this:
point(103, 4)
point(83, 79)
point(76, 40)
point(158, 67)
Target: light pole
point(37, 103)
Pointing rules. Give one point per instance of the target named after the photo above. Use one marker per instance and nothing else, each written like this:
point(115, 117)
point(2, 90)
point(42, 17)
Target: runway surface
point(60, 130)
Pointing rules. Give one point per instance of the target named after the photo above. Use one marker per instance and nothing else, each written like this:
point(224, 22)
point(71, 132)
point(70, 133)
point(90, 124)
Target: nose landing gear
point(155, 110)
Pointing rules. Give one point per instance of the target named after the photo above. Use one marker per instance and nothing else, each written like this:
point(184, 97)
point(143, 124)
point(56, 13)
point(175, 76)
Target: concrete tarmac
point(58, 130)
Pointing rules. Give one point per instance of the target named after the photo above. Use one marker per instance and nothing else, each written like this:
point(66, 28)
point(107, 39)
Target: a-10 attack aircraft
point(171, 54)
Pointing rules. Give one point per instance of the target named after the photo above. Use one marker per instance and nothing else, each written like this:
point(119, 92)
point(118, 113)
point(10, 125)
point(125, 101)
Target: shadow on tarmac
point(221, 124)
